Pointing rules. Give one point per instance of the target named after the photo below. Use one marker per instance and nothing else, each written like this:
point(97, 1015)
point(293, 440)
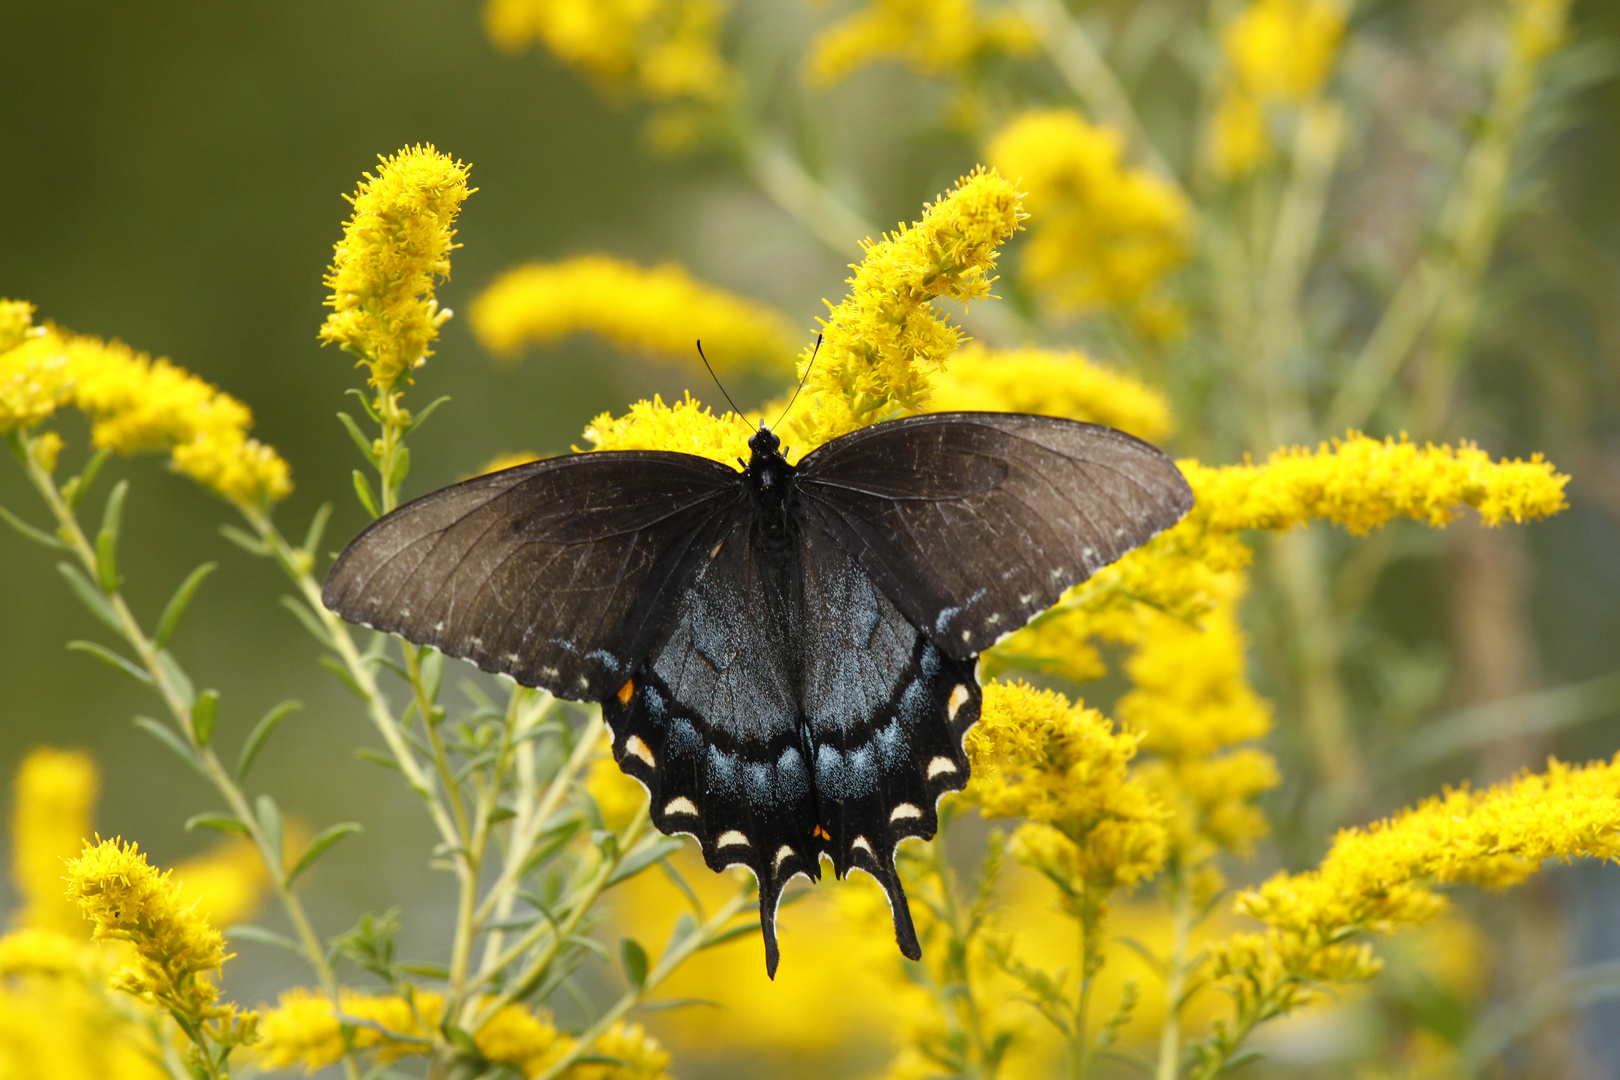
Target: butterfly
point(786, 657)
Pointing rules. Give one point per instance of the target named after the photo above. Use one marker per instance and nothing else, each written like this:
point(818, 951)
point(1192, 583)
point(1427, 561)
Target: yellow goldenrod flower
point(1383, 877)
point(34, 379)
point(55, 796)
point(501, 462)
point(1277, 52)
point(1538, 27)
point(643, 1057)
point(1104, 234)
point(659, 312)
point(685, 427)
point(394, 246)
point(1065, 769)
point(16, 323)
point(1362, 483)
point(932, 37)
point(1054, 383)
point(127, 899)
point(661, 50)
point(884, 342)
point(64, 1025)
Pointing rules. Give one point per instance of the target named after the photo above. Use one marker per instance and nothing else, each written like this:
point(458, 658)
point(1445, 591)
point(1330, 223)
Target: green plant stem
point(1079, 1040)
point(524, 710)
point(1175, 981)
point(672, 958)
point(958, 979)
point(70, 530)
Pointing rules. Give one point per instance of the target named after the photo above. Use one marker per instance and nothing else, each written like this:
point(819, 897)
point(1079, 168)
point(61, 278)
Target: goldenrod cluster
point(1065, 770)
point(394, 246)
point(932, 37)
point(55, 796)
point(1383, 877)
point(127, 899)
point(659, 312)
point(883, 343)
point(134, 404)
point(1278, 52)
point(303, 1029)
point(660, 50)
point(1052, 382)
point(1105, 235)
point(685, 427)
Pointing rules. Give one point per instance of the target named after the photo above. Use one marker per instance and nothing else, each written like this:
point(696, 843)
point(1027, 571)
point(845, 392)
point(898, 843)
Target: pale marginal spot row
point(958, 698)
point(940, 765)
point(680, 805)
point(732, 838)
point(905, 811)
point(782, 854)
point(860, 842)
point(635, 746)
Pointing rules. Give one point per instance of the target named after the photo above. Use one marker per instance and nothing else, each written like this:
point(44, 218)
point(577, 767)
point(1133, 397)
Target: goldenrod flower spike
point(661, 312)
point(1054, 383)
point(1105, 235)
point(55, 796)
point(885, 342)
point(686, 427)
point(176, 950)
point(395, 245)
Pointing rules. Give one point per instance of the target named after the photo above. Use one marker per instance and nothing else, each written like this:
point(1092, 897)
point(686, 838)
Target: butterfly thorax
point(770, 486)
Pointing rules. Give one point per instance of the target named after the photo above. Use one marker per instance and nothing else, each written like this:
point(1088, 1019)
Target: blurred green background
point(173, 177)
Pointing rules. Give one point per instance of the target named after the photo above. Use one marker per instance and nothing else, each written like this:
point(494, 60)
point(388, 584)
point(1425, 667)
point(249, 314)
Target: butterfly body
point(786, 656)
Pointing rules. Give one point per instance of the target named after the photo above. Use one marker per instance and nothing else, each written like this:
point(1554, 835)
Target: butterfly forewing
point(974, 523)
point(556, 573)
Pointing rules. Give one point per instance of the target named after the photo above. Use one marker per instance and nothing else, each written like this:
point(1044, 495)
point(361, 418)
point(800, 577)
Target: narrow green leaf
point(260, 733)
point(661, 1004)
point(244, 540)
point(376, 757)
point(106, 655)
point(320, 845)
point(432, 663)
point(425, 970)
point(317, 527)
point(462, 1041)
point(427, 411)
point(75, 489)
point(365, 404)
point(203, 716)
point(90, 596)
point(170, 738)
point(335, 666)
point(261, 936)
point(307, 617)
point(270, 825)
point(362, 489)
point(500, 814)
point(107, 539)
point(225, 823)
point(402, 467)
point(367, 450)
point(177, 677)
point(39, 536)
point(644, 856)
point(176, 607)
point(733, 934)
point(635, 961)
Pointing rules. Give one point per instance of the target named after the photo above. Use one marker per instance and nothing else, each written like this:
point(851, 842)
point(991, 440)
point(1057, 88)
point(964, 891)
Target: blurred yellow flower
point(618, 796)
point(660, 50)
point(932, 37)
point(135, 404)
point(394, 246)
point(1538, 27)
point(302, 1029)
point(51, 818)
point(1104, 235)
point(1276, 52)
point(228, 882)
point(1054, 383)
point(63, 1025)
point(659, 312)
point(884, 342)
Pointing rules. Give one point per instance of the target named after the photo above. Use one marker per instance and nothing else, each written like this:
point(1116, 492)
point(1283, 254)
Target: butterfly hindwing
point(557, 573)
point(974, 523)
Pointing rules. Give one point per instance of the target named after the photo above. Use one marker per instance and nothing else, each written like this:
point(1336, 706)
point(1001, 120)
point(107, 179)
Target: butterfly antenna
point(720, 384)
point(813, 353)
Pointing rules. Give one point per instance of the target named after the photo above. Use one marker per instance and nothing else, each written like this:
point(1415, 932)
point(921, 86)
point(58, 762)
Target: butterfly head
point(764, 442)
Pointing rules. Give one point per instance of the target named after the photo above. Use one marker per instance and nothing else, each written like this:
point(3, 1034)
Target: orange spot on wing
point(819, 831)
point(626, 690)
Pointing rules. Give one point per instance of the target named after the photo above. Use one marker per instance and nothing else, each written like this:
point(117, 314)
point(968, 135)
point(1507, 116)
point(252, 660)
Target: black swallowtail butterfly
point(785, 657)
